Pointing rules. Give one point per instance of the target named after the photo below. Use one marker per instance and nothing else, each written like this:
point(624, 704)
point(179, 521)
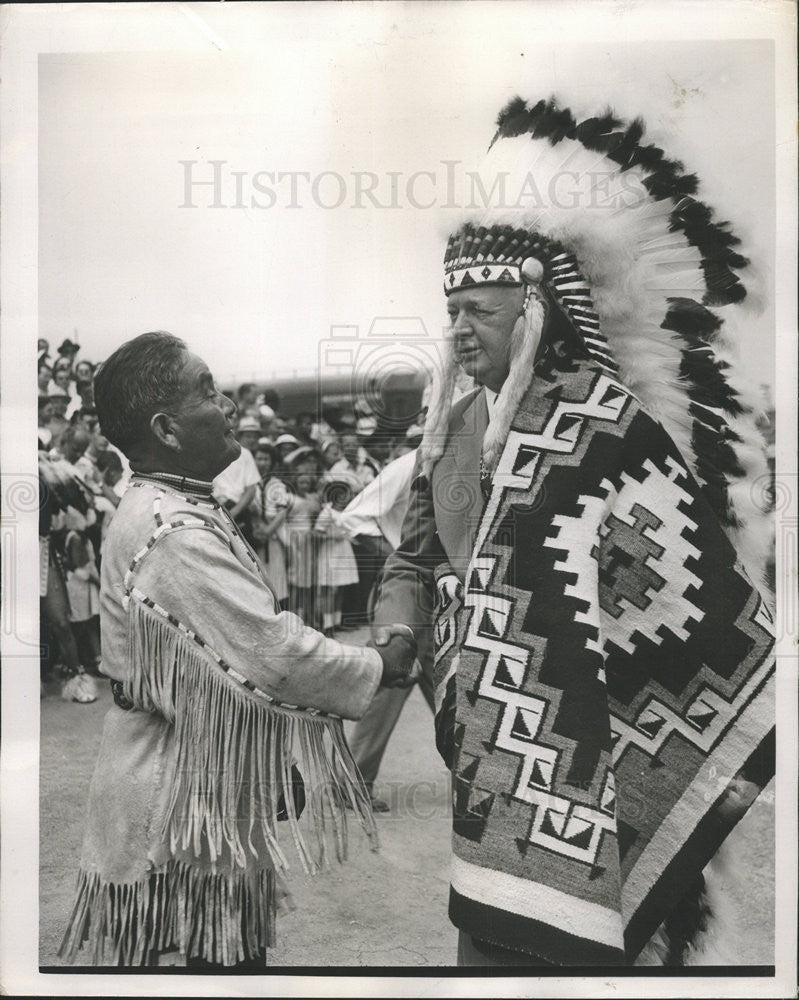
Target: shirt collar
point(183, 484)
point(491, 401)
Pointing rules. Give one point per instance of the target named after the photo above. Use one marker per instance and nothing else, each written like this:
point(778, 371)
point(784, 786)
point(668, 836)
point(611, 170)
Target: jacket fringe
point(235, 754)
point(235, 751)
point(221, 917)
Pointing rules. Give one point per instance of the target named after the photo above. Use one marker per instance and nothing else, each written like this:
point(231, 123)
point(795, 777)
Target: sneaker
point(80, 688)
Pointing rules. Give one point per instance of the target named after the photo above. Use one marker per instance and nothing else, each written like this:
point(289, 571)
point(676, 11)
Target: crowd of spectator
point(288, 492)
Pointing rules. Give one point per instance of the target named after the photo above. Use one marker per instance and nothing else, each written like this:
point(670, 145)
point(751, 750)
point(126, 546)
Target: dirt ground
point(378, 909)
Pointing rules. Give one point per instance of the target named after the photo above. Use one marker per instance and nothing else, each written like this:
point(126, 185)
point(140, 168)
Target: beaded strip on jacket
point(183, 484)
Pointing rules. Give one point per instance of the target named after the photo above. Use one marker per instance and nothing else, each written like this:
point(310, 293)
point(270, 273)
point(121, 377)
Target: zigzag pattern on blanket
point(610, 652)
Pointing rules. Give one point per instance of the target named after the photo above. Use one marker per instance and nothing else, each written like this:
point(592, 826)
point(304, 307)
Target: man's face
point(61, 377)
point(249, 439)
point(45, 375)
point(332, 453)
point(203, 422)
point(349, 448)
point(99, 445)
point(263, 461)
point(482, 321)
point(59, 405)
point(305, 476)
point(112, 476)
point(76, 446)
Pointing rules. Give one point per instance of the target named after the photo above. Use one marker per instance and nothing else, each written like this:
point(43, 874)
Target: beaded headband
point(502, 255)
point(489, 256)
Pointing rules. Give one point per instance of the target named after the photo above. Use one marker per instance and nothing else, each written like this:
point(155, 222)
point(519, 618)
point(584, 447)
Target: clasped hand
point(396, 645)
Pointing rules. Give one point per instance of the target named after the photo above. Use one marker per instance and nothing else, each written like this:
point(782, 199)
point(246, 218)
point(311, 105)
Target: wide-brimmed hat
point(248, 424)
point(366, 426)
point(286, 439)
point(298, 454)
point(68, 348)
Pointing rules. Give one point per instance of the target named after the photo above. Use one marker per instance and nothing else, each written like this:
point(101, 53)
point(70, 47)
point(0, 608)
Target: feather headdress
point(645, 276)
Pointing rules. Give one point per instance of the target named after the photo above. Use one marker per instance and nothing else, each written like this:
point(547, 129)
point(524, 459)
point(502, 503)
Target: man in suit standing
point(564, 555)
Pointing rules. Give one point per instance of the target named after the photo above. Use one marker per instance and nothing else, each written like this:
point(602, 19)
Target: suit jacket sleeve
point(407, 587)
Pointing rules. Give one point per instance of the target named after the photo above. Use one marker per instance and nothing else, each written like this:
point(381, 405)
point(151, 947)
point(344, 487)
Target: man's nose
point(229, 408)
point(460, 323)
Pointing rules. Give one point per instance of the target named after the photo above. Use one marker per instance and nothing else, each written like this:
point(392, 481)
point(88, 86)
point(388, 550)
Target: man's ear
point(164, 430)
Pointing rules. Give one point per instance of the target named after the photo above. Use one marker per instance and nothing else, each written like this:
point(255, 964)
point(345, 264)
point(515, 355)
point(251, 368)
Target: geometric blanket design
point(604, 661)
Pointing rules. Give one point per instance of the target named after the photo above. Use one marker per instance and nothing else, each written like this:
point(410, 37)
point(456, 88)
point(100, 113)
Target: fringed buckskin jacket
point(217, 695)
point(603, 668)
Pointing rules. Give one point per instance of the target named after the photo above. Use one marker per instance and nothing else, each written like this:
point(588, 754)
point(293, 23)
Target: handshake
point(396, 645)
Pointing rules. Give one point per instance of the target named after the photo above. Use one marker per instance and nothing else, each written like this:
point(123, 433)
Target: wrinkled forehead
point(195, 373)
point(193, 381)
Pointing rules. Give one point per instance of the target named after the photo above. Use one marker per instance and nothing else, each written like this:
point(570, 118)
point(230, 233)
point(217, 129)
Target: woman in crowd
point(331, 451)
point(62, 383)
point(53, 417)
point(83, 588)
point(302, 467)
point(335, 564)
point(62, 375)
point(60, 490)
point(269, 509)
point(84, 383)
point(44, 377)
point(286, 444)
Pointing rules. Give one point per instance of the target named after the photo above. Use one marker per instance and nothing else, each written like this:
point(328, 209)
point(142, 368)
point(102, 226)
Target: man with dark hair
point(144, 377)
point(355, 459)
point(216, 692)
point(303, 424)
point(45, 373)
point(74, 442)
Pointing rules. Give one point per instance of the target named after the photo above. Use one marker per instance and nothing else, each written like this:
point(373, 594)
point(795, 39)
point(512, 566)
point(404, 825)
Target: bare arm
point(244, 502)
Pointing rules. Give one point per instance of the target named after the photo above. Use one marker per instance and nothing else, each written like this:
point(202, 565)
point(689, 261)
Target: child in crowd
point(269, 509)
point(83, 588)
point(302, 471)
point(335, 565)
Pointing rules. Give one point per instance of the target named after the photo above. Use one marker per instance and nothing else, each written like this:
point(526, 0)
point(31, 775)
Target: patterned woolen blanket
point(601, 680)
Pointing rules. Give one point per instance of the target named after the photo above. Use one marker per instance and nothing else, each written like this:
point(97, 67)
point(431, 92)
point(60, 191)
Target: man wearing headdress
point(602, 658)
